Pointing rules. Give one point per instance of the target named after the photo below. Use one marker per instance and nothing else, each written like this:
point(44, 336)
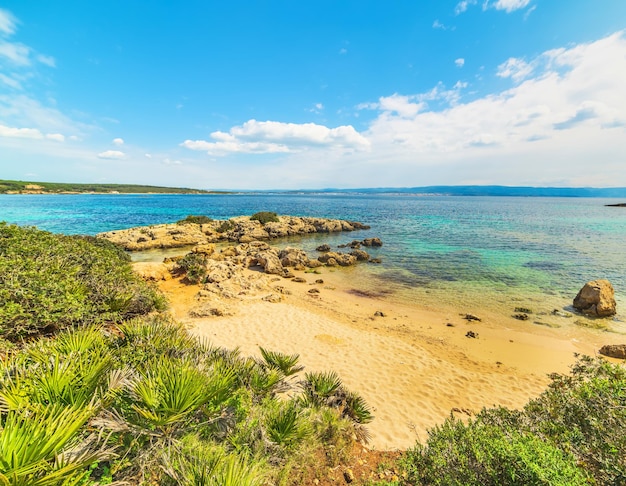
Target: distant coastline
point(27, 187)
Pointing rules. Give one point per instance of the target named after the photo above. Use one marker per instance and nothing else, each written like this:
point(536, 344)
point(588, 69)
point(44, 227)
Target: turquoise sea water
point(491, 250)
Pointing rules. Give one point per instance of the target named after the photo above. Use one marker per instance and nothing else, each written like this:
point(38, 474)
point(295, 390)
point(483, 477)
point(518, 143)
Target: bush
point(265, 217)
point(194, 265)
point(575, 429)
point(479, 454)
point(225, 226)
point(195, 219)
point(50, 282)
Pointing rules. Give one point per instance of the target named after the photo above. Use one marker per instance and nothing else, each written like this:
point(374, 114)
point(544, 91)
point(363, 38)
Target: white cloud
point(118, 141)
point(167, 161)
point(463, 5)
point(343, 50)
point(29, 133)
point(507, 5)
point(460, 62)
point(11, 132)
point(567, 107)
point(16, 53)
point(515, 68)
point(257, 137)
point(57, 137)
point(8, 22)
point(510, 5)
point(10, 81)
point(439, 25)
point(47, 60)
point(148, 156)
point(111, 155)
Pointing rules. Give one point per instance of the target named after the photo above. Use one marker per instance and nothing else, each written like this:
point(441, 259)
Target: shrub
point(265, 217)
point(51, 282)
point(225, 226)
point(479, 454)
point(194, 265)
point(195, 220)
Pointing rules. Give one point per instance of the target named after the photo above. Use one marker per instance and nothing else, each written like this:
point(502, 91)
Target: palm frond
point(287, 364)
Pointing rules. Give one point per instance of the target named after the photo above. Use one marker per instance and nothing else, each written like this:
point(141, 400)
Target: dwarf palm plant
point(287, 364)
point(35, 446)
point(172, 390)
point(285, 425)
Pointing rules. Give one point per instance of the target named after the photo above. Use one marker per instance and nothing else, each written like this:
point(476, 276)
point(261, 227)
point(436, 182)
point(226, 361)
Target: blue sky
point(288, 95)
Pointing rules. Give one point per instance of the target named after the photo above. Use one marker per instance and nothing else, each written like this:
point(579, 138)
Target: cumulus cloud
point(30, 133)
point(564, 101)
point(460, 62)
point(118, 141)
point(12, 132)
point(258, 137)
point(111, 155)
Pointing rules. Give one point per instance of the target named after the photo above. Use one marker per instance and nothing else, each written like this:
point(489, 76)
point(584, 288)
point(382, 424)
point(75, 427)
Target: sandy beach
point(412, 364)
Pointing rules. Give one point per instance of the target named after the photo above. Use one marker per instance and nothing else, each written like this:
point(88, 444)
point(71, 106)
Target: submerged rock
point(596, 299)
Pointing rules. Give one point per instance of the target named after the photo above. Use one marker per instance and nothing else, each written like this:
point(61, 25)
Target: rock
point(270, 262)
point(299, 280)
point(360, 255)
point(324, 247)
point(314, 291)
point(520, 317)
point(273, 298)
point(596, 298)
point(471, 334)
point(376, 260)
point(319, 281)
point(152, 272)
point(355, 244)
point(293, 257)
point(471, 317)
point(348, 475)
point(379, 314)
point(614, 350)
point(314, 263)
point(332, 258)
point(207, 311)
point(372, 242)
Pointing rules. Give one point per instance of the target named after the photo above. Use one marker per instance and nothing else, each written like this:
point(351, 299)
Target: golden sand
point(413, 365)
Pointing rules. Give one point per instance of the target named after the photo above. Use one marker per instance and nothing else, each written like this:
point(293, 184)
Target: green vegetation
point(572, 434)
point(225, 226)
point(195, 220)
point(265, 217)
point(66, 187)
point(136, 400)
point(51, 282)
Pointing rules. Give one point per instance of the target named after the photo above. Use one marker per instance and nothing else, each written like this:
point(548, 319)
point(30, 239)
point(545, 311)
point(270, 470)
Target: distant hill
point(611, 192)
point(24, 187)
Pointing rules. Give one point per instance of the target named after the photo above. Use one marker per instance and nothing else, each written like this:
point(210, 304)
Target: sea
point(466, 252)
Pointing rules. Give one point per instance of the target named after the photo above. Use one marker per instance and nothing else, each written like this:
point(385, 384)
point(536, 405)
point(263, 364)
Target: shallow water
point(496, 252)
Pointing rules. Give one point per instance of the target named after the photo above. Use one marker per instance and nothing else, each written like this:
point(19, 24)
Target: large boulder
point(596, 298)
point(614, 350)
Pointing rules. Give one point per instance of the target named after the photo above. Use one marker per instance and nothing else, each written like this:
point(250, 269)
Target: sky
point(284, 94)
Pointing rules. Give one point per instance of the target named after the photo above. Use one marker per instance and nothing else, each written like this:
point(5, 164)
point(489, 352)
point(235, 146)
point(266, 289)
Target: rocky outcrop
point(614, 351)
point(596, 299)
point(240, 229)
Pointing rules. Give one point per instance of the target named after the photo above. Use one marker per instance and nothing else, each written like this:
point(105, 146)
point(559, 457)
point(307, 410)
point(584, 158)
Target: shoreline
point(412, 364)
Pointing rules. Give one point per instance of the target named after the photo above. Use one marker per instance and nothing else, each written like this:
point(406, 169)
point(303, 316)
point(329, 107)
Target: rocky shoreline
point(240, 229)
